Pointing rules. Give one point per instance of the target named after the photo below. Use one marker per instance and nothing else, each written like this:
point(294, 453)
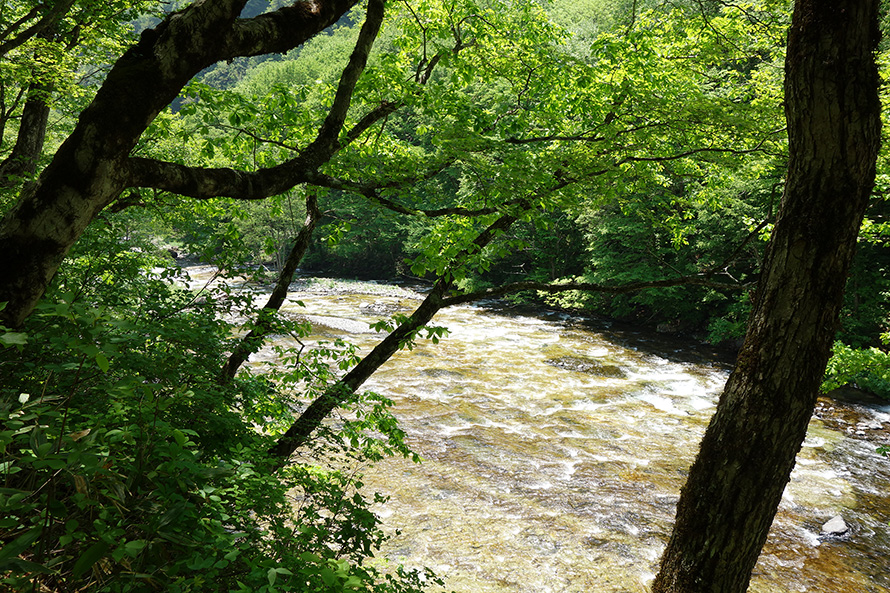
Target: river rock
point(582, 364)
point(835, 528)
point(381, 308)
point(340, 324)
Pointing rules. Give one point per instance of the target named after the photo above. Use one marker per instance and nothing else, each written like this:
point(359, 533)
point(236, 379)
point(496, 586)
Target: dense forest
point(626, 159)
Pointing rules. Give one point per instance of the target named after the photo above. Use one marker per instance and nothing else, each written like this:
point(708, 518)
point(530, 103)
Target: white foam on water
point(545, 485)
point(822, 475)
point(813, 442)
point(452, 430)
point(597, 352)
point(662, 403)
point(570, 468)
point(809, 537)
point(787, 498)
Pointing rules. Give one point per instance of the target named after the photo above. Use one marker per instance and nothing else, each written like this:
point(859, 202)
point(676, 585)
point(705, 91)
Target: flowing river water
point(554, 450)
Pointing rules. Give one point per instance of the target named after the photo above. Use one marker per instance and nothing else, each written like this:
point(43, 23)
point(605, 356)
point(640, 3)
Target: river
point(554, 450)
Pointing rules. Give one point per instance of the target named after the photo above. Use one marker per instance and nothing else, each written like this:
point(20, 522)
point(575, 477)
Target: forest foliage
point(628, 145)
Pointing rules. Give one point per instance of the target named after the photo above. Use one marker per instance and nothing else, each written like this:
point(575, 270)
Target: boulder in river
point(381, 308)
point(835, 529)
point(591, 366)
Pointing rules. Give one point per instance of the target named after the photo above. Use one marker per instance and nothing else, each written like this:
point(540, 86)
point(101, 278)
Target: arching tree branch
point(281, 30)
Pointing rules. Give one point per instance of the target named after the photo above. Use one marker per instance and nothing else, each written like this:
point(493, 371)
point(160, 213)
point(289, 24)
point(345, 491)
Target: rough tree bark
point(746, 457)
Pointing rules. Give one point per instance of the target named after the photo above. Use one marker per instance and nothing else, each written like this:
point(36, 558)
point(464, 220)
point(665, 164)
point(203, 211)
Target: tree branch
point(372, 192)
point(48, 20)
point(200, 182)
point(339, 392)
point(514, 287)
point(303, 427)
point(327, 141)
point(31, 136)
point(381, 111)
point(281, 30)
point(253, 341)
point(21, 21)
point(205, 183)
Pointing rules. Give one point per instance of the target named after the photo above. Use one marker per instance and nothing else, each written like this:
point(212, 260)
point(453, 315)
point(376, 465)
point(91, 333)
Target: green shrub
point(127, 465)
point(865, 368)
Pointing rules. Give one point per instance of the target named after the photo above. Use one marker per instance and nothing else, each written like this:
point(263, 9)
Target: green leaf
point(32, 567)
point(232, 555)
point(9, 467)
point(18, 545)
point(89, 558)
point(13, 339)
point(310, 557)
point(102, 362)
point(134, 547)
point(179, 437)
point(328, 576)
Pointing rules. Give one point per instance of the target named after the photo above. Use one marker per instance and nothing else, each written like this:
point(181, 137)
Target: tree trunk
point(31, 136)
point(253, 341)
point(746, 457)
point(338, 393)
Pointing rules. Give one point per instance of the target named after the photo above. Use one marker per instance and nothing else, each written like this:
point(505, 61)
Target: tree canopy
point(590, 155)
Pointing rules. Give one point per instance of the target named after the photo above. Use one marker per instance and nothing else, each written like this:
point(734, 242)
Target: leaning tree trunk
point(746, 457)
point(262, 325)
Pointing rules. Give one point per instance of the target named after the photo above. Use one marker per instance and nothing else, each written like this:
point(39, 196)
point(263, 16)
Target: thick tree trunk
point(735, 485)
point(87, 172)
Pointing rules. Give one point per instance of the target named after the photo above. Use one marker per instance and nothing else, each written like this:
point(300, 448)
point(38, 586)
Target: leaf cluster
point(126, 464)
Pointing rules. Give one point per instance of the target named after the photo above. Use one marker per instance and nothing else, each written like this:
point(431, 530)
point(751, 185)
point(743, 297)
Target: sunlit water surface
point(554, 451)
